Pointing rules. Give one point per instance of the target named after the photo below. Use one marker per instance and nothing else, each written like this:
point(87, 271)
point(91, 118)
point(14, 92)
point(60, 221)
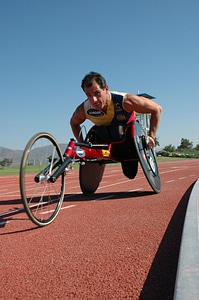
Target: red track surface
point(122, 243)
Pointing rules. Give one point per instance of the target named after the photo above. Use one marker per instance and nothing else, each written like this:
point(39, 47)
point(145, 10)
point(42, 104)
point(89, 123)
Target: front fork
point(45, 174)
point(68, 155)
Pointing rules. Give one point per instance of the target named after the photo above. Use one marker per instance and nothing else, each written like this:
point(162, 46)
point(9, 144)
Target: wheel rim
point(42, 199)
point(147, 160)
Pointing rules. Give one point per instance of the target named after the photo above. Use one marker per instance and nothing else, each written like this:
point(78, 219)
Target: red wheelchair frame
point(43, 190)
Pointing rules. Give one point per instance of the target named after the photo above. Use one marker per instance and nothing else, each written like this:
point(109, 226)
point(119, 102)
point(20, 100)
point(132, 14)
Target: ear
point(106, 88)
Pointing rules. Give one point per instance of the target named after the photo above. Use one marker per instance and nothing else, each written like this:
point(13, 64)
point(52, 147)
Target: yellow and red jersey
point(116, 114)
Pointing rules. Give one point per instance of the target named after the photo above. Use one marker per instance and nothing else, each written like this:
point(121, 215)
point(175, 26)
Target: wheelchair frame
point(42, 178)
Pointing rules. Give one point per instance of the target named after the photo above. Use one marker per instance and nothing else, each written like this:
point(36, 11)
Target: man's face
point(97, 96)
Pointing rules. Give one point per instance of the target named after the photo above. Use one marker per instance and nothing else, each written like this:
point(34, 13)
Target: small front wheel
point(41, 198)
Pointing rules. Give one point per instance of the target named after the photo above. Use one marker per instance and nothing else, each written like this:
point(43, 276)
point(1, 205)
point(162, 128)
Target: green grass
point(166, 159)
point(33, 169)
point(30, 169)
point(9, 171)
point(15, 170)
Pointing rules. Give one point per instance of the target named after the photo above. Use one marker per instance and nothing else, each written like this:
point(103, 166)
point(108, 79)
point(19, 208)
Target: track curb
point(187, 279)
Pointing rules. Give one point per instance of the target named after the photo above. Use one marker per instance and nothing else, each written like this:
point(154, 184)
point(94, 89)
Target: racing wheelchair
point(44, 167)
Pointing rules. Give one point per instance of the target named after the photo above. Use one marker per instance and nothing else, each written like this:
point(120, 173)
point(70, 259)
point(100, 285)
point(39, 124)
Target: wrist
point(152, 137)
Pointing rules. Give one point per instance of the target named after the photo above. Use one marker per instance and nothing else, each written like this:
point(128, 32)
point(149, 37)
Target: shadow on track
point(11, 214)
point(106, 196)
point(160, 282)
point(7, 216)
point(9, 202)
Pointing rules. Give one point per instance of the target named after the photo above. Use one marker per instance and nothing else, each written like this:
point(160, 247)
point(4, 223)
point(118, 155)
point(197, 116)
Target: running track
point(121, 243)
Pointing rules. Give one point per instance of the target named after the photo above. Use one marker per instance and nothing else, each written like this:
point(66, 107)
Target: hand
point(150, 142)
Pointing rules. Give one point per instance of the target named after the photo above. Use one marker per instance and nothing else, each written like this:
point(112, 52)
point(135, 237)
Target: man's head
point(95, 87)
point(87, 81)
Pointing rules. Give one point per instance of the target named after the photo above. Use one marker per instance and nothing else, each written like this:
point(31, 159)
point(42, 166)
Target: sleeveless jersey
point(116, 114)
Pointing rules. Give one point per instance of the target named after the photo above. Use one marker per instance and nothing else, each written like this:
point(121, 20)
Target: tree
point(169, 148)
point(6, 162)
point(185, 144)
point(197, 147)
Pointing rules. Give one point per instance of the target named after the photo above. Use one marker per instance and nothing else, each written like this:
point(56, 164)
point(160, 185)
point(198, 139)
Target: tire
point(147, 159)
point(41, 198)
point(90, 175)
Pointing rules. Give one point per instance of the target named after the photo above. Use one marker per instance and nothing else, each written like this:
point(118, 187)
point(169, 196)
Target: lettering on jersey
point(94, 112)
point(117, 107)
point(121, 118)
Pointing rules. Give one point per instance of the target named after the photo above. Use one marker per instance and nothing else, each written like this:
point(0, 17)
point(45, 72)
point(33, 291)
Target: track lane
point(121, 243)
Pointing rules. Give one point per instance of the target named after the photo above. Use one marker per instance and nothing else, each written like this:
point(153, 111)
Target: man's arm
point(146, 106)
point(78, 118)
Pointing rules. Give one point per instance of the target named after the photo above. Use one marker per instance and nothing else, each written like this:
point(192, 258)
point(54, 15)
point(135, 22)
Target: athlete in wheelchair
point(116, 137)
point(113, 114)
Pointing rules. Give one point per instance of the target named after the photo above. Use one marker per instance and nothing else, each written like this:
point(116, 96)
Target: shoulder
point(118, 96)
point(80, 107)
point(86, 104)
point(131, 101)
point(118, 93)
point(121, 98)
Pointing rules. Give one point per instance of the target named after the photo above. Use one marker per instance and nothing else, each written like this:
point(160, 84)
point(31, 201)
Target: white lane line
point(119, 182)
point(174, 167)
point(49, 211)
point(104, 186)
point(169, 181)
point(182, 178)
point(22, 209)
point(102, 198)
point(113, 195)
point(16, 193)
point(139, 189)
point(169, 171)
point(72, 195)
point(74, 186)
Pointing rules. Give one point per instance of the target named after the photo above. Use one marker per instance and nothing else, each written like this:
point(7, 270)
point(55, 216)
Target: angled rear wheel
point(147, 159)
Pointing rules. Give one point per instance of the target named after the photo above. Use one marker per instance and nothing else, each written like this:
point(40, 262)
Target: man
point(102, 106)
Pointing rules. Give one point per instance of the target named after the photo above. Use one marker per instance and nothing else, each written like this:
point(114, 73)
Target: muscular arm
point(78, 118)
point(145, 106)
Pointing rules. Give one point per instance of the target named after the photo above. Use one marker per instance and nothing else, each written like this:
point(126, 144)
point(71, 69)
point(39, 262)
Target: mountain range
point(16, 155)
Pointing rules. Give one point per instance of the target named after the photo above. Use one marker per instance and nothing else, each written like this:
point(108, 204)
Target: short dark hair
point(88, 79)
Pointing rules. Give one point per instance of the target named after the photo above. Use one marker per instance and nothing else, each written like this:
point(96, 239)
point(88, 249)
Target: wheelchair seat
point(120, 140)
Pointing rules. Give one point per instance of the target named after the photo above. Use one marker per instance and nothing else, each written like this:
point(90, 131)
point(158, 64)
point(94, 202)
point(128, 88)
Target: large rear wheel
point(41, 198)
point(147, 159)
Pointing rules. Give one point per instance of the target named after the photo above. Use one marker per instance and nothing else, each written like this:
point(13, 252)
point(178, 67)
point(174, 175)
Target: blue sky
point(47, 47)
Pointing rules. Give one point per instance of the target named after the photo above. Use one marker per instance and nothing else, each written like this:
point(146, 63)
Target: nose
point(93, 99)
